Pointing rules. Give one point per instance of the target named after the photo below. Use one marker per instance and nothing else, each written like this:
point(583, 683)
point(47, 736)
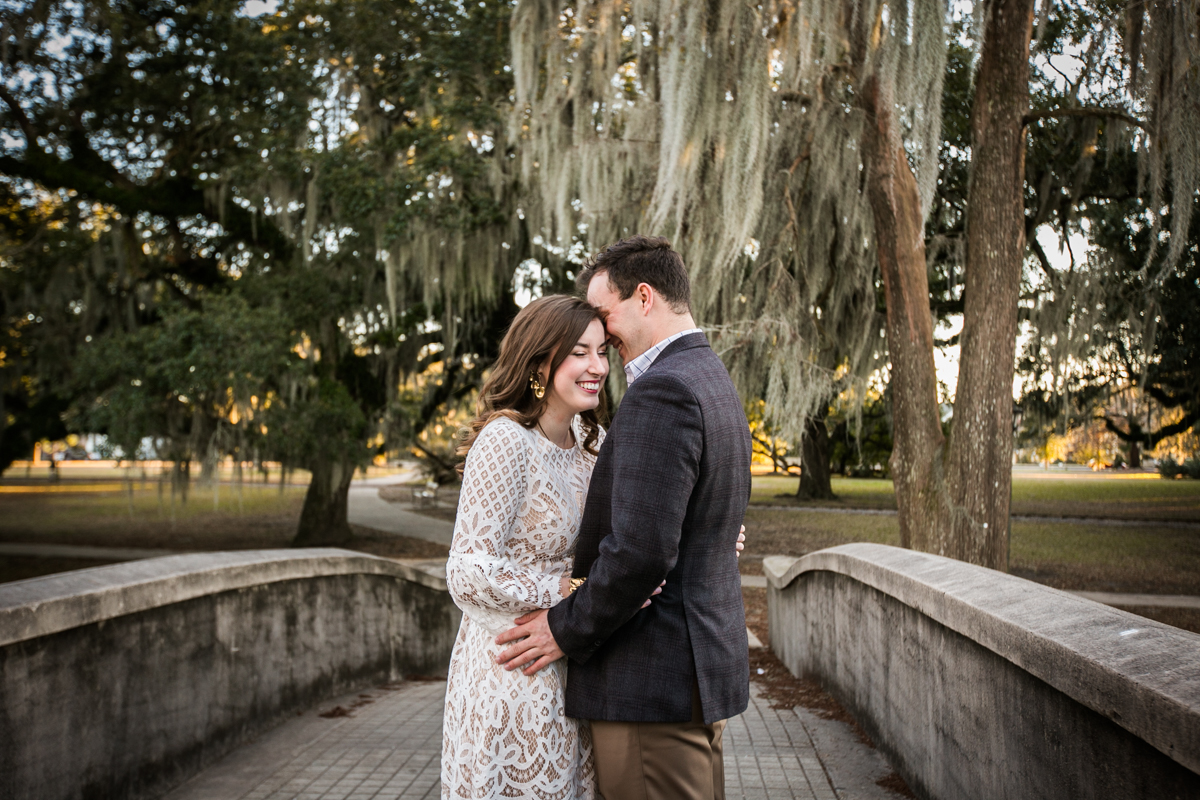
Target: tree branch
point(434, 457)
point(1151, 440)
point(1175, 428)
point(1097, 111)
point(171, 198)
point(23, 120)
point(1042, 258)
point(1164, 399)
point(1124, 436)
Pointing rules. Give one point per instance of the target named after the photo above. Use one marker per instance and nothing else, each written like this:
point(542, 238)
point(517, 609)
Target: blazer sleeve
point(479, 571)
point(655, 465)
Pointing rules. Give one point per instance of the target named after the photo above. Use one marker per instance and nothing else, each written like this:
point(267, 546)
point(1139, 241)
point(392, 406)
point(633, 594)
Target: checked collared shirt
point(638, 366)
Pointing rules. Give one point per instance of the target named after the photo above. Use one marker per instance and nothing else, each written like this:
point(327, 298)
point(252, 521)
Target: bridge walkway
point(385, 744)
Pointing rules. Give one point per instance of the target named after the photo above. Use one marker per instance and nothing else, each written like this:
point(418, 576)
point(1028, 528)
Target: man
point(667, 497)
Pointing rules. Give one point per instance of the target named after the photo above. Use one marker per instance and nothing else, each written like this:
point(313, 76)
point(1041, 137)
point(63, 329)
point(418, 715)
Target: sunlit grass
point(52, 504)
point(1125, 558)
point(1137, 496)
point(1101, 487)
point(851, 492)
point(212, 518)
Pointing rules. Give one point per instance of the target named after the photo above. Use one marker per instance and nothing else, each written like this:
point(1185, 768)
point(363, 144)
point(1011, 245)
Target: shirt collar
point(638, 366)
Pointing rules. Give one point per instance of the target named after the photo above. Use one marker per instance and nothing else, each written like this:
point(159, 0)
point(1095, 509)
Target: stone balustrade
point(980, 685)
point(122, 681)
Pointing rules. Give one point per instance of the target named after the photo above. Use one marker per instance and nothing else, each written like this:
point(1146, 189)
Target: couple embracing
point(615, 550)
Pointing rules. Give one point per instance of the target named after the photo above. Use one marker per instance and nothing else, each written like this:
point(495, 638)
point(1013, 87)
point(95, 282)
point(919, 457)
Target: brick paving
point(768, 755)
point(389, 748)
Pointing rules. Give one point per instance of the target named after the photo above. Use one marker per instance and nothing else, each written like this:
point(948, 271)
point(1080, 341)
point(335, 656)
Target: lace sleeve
point(479, 571)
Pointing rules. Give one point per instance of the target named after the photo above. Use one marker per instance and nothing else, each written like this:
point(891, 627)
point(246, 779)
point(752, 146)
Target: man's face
point(623, 319)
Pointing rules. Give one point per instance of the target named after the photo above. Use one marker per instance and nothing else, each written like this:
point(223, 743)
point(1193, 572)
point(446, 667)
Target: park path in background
point(366, 508)
point(84, 551)
point(1107, 521)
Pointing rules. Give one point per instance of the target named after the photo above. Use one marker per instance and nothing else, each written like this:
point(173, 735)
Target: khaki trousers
point(660, 760)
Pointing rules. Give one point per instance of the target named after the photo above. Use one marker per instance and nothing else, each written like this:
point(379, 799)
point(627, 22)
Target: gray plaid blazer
point(668, 494)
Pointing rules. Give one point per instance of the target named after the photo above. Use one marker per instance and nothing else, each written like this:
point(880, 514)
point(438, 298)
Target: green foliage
point(236, 235)
point(861, 446)
point(1170, 468)
point(185, 377)
point(303, 426)
point(765, 439)
point(142, 105)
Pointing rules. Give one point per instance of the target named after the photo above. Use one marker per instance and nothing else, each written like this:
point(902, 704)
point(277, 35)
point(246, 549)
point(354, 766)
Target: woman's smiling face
point(576, 385)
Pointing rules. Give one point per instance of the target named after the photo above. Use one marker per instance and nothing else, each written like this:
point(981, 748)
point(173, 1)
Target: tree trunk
point(955, 500)
point(916, 462)
point(979, 463)
point(323, 518)
point(814, 463)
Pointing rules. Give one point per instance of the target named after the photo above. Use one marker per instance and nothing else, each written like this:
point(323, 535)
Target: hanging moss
point(732, 129)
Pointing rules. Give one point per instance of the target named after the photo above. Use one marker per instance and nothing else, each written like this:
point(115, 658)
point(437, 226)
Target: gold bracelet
point(576, 583)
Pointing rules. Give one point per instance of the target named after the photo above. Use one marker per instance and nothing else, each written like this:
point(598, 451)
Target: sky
point(946, 358)
point(253, 8)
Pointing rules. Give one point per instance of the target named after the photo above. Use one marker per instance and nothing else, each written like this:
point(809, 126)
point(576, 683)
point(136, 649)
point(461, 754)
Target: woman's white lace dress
point(505, 734)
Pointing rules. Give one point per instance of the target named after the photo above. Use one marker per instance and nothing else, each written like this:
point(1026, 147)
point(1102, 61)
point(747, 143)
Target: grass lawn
point(1072, 556)
point(107, 514)
point(1068, 555)
point(851, 492)
point(1064, 555)
point(1110, 495)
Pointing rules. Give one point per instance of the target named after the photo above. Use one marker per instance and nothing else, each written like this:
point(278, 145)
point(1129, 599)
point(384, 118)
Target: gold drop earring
point(539, 391)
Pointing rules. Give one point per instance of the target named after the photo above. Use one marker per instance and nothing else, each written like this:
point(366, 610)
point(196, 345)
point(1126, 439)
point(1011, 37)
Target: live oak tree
point(1109, 332)
point(1127, 357)
point(957, 491)
point(406, 241)
point(114, 116)
point(730, 128)
point(789, 149)
point(333, 169)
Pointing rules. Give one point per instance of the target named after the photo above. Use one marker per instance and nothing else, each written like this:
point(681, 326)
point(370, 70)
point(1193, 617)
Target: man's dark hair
point(641, 259)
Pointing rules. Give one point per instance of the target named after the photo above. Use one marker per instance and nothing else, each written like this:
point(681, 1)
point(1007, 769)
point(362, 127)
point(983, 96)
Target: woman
point(529, 456)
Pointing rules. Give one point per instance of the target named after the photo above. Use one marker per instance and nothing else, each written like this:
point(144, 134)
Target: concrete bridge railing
point(980, 685)
point(122, 681)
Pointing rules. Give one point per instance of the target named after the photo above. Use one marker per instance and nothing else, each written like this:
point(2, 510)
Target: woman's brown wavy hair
point(549, 327)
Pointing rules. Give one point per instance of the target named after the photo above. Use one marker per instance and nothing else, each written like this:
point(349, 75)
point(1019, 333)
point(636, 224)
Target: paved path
point(1102, 521)
point(366, 508)
point(83, 551)
point(391, 745)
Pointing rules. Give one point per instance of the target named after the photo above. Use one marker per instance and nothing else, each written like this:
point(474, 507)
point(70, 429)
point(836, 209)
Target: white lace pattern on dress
point(505, 734)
